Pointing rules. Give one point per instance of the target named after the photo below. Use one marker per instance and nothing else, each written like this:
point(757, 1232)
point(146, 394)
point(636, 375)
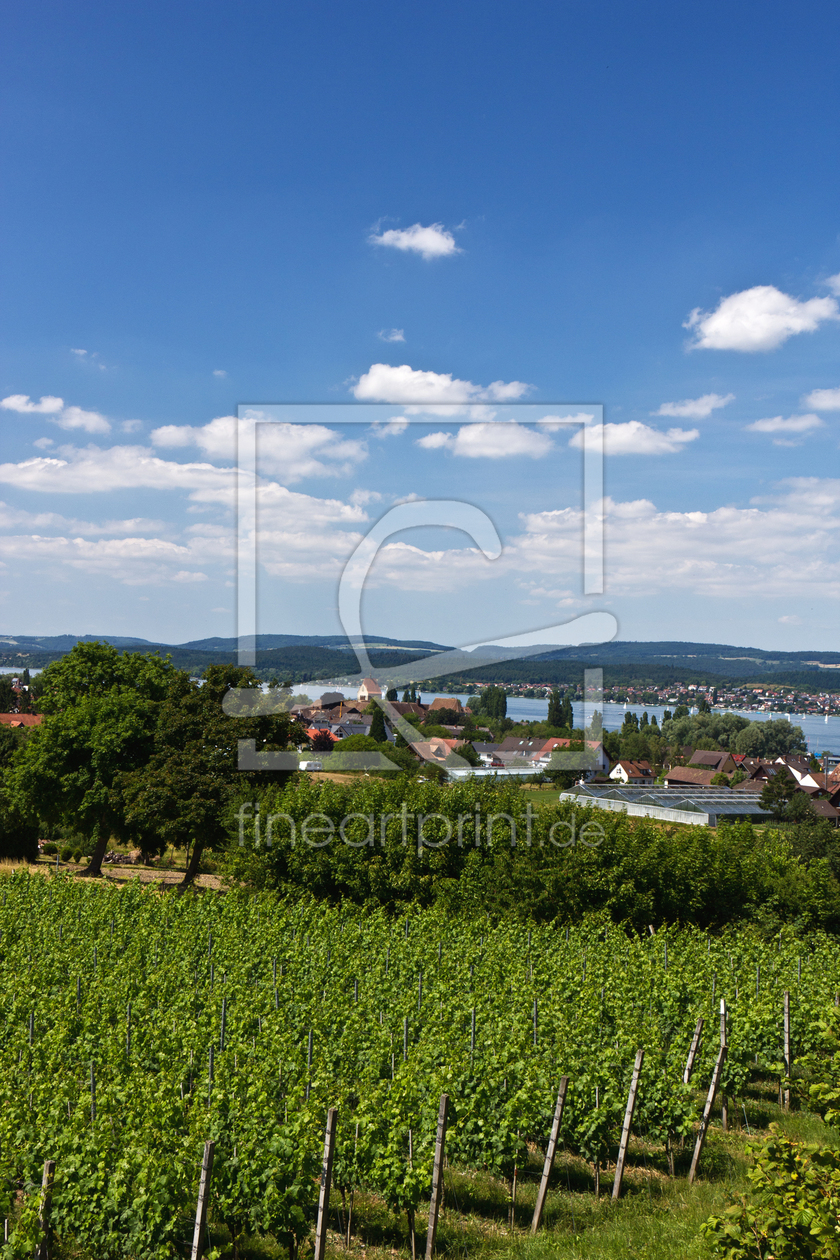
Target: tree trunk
point(94, 866)
point(192, 866)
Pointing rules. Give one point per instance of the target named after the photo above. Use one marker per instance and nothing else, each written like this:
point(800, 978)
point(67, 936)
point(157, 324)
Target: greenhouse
point(701, 807)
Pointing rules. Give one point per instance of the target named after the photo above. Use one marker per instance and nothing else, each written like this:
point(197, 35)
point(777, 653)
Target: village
point(746, 697)
point(704, 782)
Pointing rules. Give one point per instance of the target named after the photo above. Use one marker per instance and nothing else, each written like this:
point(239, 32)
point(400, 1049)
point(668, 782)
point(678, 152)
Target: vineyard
point(136, 1027)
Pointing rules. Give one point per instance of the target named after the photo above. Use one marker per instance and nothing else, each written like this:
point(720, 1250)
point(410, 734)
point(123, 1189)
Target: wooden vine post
point(787, 1051)
point(550, 1153)
point(203, 1196)
point(628, 1120)
point(692, 1053)
point(724, 1110)
point(326, 1181)
point(437, 1176)
point(707, 1111)
point(42, 1250)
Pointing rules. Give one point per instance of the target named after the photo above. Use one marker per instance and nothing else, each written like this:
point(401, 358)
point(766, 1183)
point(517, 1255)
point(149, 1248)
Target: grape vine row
point(135, 1026)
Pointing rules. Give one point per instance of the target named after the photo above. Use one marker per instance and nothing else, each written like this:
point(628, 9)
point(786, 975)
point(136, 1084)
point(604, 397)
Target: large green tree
point(100, 711)
point(69, 771)
point(196, 766)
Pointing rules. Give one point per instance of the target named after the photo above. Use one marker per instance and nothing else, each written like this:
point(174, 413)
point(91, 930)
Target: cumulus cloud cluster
point(433, 241)
point(635, 438)
point(786, 545)
point(438, 393)
point(293, 451)
point(490, 441)
point(55, 410)
point(823, 399)
point(761, 318)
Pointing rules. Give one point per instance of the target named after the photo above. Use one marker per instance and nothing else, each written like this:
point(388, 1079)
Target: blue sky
point(209, 205)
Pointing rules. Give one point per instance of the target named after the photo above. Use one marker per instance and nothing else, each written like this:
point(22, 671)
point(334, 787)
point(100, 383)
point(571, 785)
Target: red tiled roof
point(20, 719)
point(690, 775)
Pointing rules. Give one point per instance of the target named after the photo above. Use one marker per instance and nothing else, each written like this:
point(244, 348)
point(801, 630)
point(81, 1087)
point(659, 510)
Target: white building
point(369, 690)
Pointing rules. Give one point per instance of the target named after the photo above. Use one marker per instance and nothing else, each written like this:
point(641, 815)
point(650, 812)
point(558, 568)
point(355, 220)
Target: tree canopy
point(733, 733)
point(179, 796)
point(132, 749)
point(94, 668)
point(70, 769)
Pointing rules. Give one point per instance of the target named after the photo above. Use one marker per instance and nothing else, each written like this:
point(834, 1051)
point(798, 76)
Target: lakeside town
point(757, 697)
point(472, 739)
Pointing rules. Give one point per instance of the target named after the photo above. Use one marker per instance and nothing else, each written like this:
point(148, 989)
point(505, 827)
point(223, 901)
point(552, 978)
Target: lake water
point(820, 735)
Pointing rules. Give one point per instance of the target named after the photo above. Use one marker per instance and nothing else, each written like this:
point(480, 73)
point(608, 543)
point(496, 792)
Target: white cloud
point(788, 549)
point(43, 444)
point(635, 438)
point(129, 561)
point(391, 334)
point(436, 441)
point(301, 538)
point(92, 469)
point(552, 424)
point(438, 393)
point(778, 424)
point(433, 241)
point(390, 428)
point(695, 408)
point(220, 372)
point(88, 421)
point(294, 451)
point(23, 404)
point(495, 440)
point(833, 283)
point(80, 353)
point(11, 517)
point(760, 318)
point(131, 426)
point(361, 498)
point(64, 417)
point(791, 620)
point(823, 399)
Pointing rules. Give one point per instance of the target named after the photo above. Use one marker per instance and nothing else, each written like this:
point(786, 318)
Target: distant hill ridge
point(304, 658)
point(262, 642)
